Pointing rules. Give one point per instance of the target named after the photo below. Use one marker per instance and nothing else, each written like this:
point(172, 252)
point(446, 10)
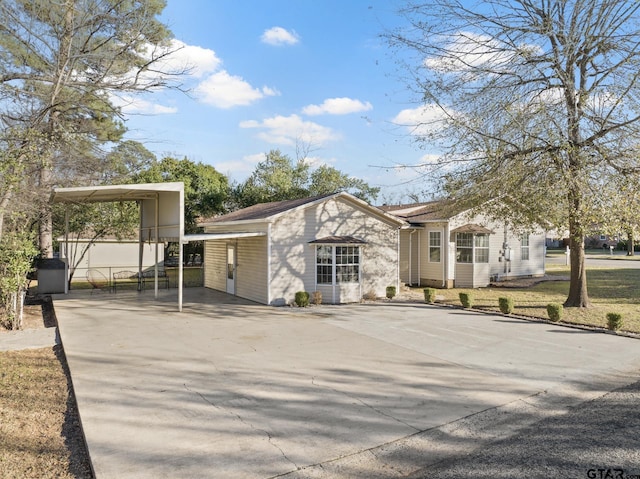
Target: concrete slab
point(228, 388)
point(28, 339)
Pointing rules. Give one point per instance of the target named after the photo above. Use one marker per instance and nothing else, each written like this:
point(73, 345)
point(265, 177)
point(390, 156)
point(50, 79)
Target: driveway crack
point(270, 438)
point(364, 403)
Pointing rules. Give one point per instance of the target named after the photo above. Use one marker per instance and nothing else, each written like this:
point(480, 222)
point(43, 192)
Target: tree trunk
point(45, 226)
point(578, 296)
point(630, 244)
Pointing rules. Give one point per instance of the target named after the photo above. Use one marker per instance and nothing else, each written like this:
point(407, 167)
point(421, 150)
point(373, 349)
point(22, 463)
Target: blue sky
point(272, 74)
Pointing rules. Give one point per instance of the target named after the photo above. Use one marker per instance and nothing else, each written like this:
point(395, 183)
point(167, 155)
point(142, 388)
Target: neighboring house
point(336, 244)
point(446, 248)
point(109, 255)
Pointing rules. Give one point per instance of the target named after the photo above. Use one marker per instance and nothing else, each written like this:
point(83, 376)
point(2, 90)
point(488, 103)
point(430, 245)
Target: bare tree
point(528, 100)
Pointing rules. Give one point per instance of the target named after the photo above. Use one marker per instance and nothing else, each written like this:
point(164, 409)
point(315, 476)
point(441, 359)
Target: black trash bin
point(52, 274)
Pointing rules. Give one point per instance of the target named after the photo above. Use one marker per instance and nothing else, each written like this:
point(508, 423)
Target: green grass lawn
point(610, 290)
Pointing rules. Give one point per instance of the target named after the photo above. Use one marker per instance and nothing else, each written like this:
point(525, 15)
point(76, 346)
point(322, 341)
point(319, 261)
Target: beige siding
point(251, 269)
point(464, 275)
point(215, 264)
point(432, 273)
point(410, 255)
point(293, 258)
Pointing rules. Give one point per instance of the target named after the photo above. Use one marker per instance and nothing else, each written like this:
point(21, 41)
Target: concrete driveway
point(231, 389)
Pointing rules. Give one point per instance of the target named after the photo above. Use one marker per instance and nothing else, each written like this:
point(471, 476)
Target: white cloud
point(420, 121)
point(278, 36)
point(337, 106)
point(289, 130)
point(226, 91)
point(197, 60)
point(240, 169)
point(136, 105)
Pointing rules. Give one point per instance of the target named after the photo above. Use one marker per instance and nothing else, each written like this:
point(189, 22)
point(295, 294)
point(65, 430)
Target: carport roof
point(97, 194)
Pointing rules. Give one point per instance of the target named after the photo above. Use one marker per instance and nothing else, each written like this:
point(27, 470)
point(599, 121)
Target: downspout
point(411, 256)
point(419, 258)
point(445, 256)
point(269, 263)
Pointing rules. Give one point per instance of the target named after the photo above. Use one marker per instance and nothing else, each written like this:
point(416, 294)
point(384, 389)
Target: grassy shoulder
point(40, 433)
point(610, 291)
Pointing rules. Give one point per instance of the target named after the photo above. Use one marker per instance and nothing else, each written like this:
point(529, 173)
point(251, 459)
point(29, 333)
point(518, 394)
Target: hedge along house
point(445, 248)
point(336, 244)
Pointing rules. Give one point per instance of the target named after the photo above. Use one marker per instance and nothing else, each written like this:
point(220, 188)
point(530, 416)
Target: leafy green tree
point(276, 178)
point(326, 180)
point(61, 63)
point(528, 102)
point(279, 178)
point(17, 252)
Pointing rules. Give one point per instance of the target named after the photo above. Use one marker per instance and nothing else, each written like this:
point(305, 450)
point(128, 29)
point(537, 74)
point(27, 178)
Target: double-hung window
point(524, 247)
point(472, 248)
point(464, 247)
point(337, 264)
point(481, 244)
point(435, 246)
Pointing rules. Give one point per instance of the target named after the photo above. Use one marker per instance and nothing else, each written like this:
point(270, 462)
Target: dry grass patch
point(40, 434)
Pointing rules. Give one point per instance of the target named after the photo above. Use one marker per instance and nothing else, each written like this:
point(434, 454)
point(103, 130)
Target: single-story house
point(335, 244)
point(108, 255)
point(444, 247)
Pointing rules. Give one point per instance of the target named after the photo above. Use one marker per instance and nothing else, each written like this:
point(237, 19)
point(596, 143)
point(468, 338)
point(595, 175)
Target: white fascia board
point(220, 236)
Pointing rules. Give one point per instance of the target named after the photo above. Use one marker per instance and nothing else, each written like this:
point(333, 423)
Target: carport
point(161, 215)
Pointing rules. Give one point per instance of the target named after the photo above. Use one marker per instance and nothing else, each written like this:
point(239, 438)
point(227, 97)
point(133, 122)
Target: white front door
point(231, 269)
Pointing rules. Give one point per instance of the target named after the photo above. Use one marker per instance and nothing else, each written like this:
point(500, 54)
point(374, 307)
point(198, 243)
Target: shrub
point(555, 310)
point(614, 321)
point(506, 305)
point(429, 295)
point(370, 295)
point(466, 299)
point(302, 299)
point(391, 292)
point(316, 297)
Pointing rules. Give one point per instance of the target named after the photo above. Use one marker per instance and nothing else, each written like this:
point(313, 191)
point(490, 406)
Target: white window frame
point(435, 245)
point(344, 261)
point(525, 244)
point(466, 248)
point(473, 248)
point(481, 244)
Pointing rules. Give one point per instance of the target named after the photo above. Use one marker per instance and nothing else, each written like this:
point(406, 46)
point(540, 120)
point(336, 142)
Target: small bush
point(316, 297)
point(302, 299)
point(391, 292)
point(429, 295)
point(506, 305)
point(614, 321)
point(466, 299)
point(555, 310)
point(370, 296)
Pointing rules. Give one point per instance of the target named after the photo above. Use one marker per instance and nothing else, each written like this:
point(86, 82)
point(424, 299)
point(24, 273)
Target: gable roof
point(263, 212)
point(439, 210)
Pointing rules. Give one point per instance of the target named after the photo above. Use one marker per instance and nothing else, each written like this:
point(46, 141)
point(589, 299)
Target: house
point(444, 247)
point(107, 255)
point(335, 244)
